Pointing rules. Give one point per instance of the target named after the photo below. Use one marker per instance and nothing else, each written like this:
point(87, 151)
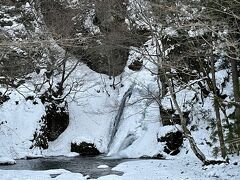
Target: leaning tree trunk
point(186, 131)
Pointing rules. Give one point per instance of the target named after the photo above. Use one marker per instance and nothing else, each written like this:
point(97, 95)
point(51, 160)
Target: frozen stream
point(84, 165)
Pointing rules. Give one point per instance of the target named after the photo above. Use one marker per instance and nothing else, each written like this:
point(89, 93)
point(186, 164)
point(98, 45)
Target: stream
point(83, 165)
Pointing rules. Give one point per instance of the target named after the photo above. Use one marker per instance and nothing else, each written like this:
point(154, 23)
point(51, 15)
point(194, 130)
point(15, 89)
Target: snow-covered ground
point(20, 119)
point(178, 168)
point(58, 174)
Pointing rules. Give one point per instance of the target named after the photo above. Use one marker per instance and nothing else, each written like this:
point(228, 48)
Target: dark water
point(84, 165)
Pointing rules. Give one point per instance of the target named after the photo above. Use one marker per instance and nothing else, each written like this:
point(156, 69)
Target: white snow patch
point(59, 174)
point(20, 119)
point(7, 161)
point(103, 166)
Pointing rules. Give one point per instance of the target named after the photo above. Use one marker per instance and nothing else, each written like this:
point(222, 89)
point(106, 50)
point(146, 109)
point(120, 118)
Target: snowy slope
point(91, 112)
point(20, 119)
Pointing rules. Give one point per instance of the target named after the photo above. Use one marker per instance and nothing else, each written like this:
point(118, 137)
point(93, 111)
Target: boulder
point(85, 149)
point(173, 142)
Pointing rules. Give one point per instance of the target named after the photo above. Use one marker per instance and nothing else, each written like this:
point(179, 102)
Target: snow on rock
point(103, 166)
point(19, 120)
point(91, 111)
point(34, 156)
point(72, 154)
point(93, 108)
point(7, 161)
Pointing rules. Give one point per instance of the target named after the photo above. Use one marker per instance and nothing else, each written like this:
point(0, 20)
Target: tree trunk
point(217, 112)
point(236, 91)
point(186, 132)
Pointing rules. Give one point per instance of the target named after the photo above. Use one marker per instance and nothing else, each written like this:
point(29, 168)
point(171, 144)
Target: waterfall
point(118, 117)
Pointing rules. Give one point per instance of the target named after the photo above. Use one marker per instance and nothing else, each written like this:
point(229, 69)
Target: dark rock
point(39, 139)
point(4, 98)
point(223, 96)
point(57, 17)
point(174, 141)
point(169, 118)
point(194, 128)
point(108, 57)
point(157, 156)
point(3, 122)
point(7, 162)
point(35, 102)
point(96, 21)
point(37, 70)
point(85, 149)
point(212, 162)
point(33, 157)
point(54, 175)
point(145, 157)
point(53, 123)
point(31, 98)
point(136, 65)
point(6, 23)
point(16, 65)
point(56, 121)
point(209, 143)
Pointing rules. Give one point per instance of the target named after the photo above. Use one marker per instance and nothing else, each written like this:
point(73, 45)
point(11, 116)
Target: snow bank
point(179, 168)
point(20, 119)
point(103, 166)
point(58, 174)
point(7, 161)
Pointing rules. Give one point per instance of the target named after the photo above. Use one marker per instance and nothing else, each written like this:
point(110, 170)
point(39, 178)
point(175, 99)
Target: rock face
point(53, 123)
point(16, 23)
point(85, 149)
point(58, 19)
point(113, 54)
point(105, 49)
point(57, 120)
point(174, 141)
